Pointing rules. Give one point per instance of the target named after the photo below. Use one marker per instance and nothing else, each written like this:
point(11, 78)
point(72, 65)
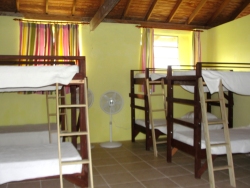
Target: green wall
point(230, 42)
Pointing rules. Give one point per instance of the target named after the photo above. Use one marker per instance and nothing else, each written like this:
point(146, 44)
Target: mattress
point(32, 134)
point(234, 81)
point(35, 78)
point(239, 139)
point(36, 161)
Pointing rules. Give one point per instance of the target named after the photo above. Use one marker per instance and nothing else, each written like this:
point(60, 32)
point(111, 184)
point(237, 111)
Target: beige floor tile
point(103, 162)
point(245, 180)
point(26, 184)
point(188, 181)
point(111, 169)
point(174, 171)
point(143, 175)
point(141, 165)
point(226, 184)
point(160, 183)
point(99, 181)
point(128, 159)
point(55, 183)
point(4, 185)
point(128, 185)
point(119, 178)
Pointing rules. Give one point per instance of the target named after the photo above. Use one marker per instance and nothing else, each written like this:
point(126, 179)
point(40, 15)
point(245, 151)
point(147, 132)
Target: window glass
point(166, 51)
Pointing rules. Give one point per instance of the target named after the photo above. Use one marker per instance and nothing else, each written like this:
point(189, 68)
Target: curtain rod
point(196, 30)
point(49, 22)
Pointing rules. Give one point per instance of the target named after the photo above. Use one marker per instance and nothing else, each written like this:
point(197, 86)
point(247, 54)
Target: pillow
point(190, 115)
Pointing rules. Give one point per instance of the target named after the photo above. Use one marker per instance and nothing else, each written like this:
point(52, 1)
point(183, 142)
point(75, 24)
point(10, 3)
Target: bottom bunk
point(36, 161)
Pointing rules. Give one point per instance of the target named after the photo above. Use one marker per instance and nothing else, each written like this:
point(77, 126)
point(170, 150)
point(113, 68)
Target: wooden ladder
point(53, 114)
point(151, 110)
point(224, 122)
point(76, 133)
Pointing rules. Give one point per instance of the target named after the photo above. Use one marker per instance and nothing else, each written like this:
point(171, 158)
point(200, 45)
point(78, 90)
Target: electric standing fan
point(111, 103)
point(90, 97)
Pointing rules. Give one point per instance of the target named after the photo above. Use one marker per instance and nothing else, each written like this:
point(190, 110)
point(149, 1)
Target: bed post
point(197, 124)
point(169, 114)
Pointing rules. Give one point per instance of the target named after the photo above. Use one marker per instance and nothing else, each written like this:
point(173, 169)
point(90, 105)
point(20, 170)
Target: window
point(166, 51)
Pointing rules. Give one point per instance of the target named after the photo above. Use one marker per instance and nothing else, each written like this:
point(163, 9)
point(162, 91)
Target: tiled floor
point(131, 166)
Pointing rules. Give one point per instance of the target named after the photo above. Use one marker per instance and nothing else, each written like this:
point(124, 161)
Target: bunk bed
point(22, 161)
point(189, 138)
point(139, 102)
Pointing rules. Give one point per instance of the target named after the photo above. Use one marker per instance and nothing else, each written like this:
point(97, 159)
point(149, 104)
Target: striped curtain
point(196, 47)
point(49, 39)
point(147, 51)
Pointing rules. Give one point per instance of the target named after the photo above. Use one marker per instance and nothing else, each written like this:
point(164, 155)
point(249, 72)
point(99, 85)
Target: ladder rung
point(156, 94)
point(222, 168)
point(212, 100)
point(215, 122)
point(73, 133)
point(72, 105)
point(86, 161)
point(161, 142)
point(220, 144)
point(158, 110)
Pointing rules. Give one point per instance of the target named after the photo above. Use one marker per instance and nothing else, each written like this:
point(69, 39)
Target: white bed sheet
point(234, 81)
point(239, 139)
point(35, 78)
point(27, 162)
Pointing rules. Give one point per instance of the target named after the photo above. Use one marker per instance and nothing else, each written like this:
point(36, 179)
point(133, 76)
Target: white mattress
point(35, 78)
point(27, 162)
point(19, 135)
point(239, 139)
point(234, 81)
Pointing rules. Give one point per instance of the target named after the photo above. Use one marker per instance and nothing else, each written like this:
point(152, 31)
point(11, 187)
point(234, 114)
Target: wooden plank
point(73, 8)
point(17, 5)
point(126, 9)
point(239, 10)
point(47, 6)
point(218, 11)
point(195, 12)
point(151, 10)
point(175, 9)
point(106, 7)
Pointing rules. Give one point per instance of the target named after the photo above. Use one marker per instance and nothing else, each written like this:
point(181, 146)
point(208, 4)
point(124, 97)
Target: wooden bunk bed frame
point(194, 150)
point(77, 122)
point(134, 96)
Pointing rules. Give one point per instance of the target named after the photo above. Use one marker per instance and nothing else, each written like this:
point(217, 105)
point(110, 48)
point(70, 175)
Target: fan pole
point(110, 144)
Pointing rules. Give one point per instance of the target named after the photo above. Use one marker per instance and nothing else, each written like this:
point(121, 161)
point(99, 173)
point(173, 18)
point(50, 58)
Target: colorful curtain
point(196, 47)
point(147, 50)
point(49, 39)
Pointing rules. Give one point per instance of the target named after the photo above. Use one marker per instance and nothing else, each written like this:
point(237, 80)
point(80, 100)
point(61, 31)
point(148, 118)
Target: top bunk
point(39, 73)
point(234, 76)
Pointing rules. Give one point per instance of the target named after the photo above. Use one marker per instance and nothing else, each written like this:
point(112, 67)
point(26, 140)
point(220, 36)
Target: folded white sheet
point(26, 78)
point(27, 162)
point(239, 139)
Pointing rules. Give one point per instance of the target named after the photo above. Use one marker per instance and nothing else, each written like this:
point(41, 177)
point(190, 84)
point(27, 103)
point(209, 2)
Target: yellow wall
point(230, 42)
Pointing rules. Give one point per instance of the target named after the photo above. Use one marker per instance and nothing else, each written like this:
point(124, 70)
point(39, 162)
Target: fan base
point(111, 145)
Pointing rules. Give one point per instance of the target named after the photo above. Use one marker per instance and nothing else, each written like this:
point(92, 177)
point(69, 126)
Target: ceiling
point(169, 14)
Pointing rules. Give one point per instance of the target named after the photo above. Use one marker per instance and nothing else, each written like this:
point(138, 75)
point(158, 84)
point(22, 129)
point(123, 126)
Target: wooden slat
point(105, 8)
point(175, 9)
point(218, 11)
point(47, 6)
point(239, 10)
point(73, 8)
point(126, 9)
point(195, 12)
point(17, 5)
point(151, 8)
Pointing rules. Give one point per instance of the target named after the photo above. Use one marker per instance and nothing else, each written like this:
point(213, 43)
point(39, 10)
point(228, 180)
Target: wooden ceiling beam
point(218, 11)
point(17, 6)
point(174, 10)
point(126, 9)
point(151, 8)
point(239, 10)
point(47, 6)
point(158, 25)
point(195, 12)
point(104, 9)
point(73, 8)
